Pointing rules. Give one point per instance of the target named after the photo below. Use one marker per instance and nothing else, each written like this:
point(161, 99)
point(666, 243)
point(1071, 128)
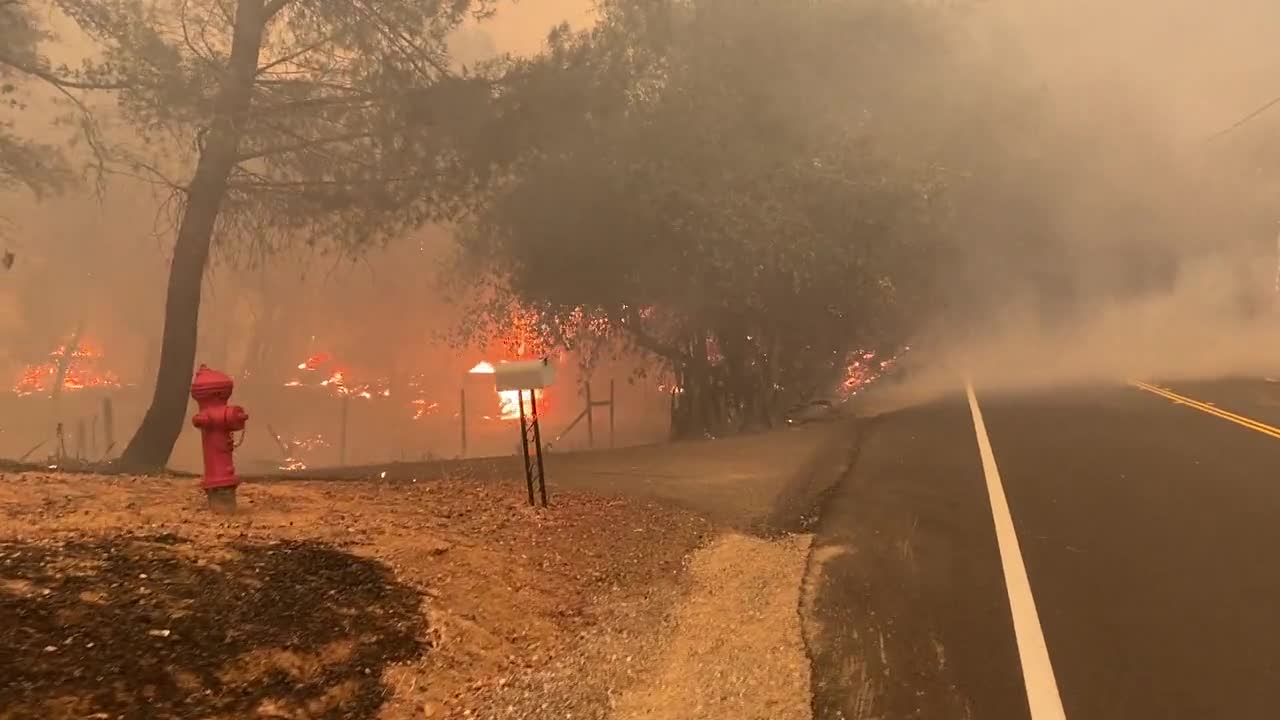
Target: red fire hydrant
point(217, 421)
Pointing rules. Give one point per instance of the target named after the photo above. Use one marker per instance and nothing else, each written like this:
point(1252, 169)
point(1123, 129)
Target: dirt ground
point(123, 597)
point(726, 646)
point(735, 647)
point(760, 483)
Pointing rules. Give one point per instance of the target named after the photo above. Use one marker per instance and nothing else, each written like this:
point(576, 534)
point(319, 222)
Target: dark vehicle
point(810, 412)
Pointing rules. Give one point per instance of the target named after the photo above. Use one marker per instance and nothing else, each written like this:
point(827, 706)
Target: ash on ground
point(122, 597)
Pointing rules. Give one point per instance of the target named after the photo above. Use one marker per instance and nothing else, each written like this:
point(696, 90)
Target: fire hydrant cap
point(210, 382)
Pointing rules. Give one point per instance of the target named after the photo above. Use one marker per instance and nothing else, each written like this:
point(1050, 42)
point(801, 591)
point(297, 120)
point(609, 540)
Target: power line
point(1272, 103)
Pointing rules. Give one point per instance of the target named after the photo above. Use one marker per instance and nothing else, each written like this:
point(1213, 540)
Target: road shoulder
point(905, 607)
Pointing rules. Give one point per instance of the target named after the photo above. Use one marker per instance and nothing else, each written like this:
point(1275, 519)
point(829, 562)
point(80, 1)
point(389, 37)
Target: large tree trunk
point(772, 370)
point(153, 443)
point(261, 340)
point(699, 411)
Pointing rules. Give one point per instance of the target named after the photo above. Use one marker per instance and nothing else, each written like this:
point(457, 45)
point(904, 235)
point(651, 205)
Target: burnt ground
point(154, 625)
point(434, 591)
point(764, 483)
point(122, 597)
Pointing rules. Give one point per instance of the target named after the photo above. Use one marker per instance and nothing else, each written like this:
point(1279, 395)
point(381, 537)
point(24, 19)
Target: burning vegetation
point(322, 371)
point(69, 368)
point(335, 379)
point(741, 294)
point(508, 400)
point(410, 401)
point(864, 367)
point(807, 203)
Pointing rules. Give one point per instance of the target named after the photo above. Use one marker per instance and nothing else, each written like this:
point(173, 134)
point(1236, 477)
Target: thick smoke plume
point(1105, 226)
point(1131, 228)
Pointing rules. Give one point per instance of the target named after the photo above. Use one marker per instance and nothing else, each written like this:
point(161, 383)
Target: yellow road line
point(1211, 409)
point(1241, 420)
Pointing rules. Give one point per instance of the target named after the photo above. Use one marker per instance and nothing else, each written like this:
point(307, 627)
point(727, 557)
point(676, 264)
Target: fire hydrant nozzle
point(217, 421)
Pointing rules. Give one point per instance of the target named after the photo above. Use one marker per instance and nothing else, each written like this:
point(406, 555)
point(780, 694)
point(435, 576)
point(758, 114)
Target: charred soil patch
point(148, 626)
point(121, 597)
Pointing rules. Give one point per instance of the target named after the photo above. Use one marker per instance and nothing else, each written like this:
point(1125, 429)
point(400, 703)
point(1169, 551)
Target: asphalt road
point(1148, 524)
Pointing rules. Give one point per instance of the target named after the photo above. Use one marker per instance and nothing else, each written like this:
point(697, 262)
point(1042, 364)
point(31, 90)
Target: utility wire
point(1247, 118)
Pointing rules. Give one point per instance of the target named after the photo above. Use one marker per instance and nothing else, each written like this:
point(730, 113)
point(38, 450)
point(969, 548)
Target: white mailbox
point(524, 375)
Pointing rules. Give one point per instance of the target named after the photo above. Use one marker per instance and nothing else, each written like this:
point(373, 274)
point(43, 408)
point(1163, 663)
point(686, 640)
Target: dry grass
point(122, 597)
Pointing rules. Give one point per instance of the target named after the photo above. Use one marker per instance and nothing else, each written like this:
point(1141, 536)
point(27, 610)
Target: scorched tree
point(333, 122)
point(705, 177)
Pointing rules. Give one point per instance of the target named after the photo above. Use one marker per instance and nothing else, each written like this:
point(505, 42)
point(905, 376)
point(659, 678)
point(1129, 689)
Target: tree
point(23, 163)
point(338, 123)
point(702, 177)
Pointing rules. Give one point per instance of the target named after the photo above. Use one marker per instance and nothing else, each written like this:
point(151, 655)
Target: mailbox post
point(523, 377)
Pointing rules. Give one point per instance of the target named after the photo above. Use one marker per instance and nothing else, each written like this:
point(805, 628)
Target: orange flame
point(314, 361)
point(421, 407)
point(508, 400)
point(81, 373)
point(337, 380)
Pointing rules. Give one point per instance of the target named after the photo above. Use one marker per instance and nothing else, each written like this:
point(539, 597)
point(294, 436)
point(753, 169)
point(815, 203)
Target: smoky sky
point(1128, 175)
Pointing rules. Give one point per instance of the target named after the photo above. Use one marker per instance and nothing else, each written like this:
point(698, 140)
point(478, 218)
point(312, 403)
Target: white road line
point(1037, 671)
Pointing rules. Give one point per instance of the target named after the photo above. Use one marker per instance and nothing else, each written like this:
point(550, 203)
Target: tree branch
point(648, 342)
point(59, 82)
point(417, 52)
point(265, 184)
point(209, 60)
point(304, 145)
point(310, 103)
point(274, 7)
point(150, 175)
point(303, 50)
point(338, 87)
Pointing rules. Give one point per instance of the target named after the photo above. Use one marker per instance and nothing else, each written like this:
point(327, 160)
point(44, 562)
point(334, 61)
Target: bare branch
point(262, 183)
point(89, 129)
point(339, 87)
point(149, 174)
point(210, 59)
point(303, 50)
point(353, 101)
point(304, 145)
